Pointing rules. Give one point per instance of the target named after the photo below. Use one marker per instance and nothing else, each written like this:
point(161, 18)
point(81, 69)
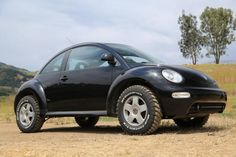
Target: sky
point(31, 32)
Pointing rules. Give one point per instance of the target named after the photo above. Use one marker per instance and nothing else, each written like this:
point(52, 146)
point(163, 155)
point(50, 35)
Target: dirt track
point(217, 138)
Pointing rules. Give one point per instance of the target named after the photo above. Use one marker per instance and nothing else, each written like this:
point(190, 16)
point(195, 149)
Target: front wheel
point(86, 121)
point(28, 115)
point(138, 110)
point(196, 122)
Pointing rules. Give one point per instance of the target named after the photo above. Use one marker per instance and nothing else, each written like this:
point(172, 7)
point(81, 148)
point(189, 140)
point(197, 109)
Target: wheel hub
point(135, 111)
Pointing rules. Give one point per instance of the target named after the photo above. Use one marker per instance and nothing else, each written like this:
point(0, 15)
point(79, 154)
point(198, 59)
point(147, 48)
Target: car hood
point(192, 77)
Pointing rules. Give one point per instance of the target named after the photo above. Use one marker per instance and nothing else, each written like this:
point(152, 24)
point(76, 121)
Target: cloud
point(34, 31)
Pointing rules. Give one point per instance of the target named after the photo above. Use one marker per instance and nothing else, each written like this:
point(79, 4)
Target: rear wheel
point(28, 115)
point(196, 122)
point(138, 110)
point(87, 121)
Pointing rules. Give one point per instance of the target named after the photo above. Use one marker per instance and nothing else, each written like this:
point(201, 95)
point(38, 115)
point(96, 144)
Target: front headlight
point(172, 76)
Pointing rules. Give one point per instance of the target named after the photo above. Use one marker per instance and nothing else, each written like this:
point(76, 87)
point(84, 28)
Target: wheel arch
point(118, 88)
point(34, 88)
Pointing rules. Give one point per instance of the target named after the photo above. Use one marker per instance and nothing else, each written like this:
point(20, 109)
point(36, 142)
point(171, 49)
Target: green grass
point(224, 74)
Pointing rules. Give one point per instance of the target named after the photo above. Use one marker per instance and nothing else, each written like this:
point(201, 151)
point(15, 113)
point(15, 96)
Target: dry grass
point(6, 109)
point(224, 74)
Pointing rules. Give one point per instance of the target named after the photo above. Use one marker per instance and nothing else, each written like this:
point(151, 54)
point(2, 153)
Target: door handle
point(64, 78)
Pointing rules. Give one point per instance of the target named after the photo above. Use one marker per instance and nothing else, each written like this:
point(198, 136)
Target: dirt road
point(217, 138)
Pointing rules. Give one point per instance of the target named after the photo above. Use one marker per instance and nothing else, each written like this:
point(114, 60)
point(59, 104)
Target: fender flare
point(32, 87)
point(135, 76)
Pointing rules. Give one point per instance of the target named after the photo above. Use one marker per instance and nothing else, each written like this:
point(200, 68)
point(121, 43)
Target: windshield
point(131, 55)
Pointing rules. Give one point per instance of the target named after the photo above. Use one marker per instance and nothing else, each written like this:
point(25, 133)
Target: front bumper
point(202, 101)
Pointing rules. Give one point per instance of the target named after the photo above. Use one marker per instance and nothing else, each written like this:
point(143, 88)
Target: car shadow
point(105, 129)
point(97, 129)
point(177, 130)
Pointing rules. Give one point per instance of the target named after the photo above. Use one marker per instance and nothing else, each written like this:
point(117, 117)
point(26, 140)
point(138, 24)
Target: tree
point(191, 40)
point(217, 26)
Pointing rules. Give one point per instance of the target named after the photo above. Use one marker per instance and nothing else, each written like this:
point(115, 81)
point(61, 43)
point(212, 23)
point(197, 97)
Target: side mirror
point(109, 58)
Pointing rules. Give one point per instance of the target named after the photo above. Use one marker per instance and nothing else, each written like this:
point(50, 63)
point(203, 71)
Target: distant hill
point(12, 77)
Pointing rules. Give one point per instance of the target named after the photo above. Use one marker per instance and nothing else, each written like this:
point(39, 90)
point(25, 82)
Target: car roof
point(91, 43)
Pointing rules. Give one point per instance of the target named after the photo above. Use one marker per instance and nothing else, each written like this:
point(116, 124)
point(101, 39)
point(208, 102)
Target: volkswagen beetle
point(89, 80)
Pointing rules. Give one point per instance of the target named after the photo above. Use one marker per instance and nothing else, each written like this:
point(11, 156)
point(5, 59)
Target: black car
point(89, 80)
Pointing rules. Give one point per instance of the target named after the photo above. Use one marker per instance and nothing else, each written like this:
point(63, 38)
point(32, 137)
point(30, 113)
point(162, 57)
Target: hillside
point(11, 78)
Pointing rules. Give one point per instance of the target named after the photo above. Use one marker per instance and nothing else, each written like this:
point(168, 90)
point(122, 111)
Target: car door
point(85, 81)
point(49, 78)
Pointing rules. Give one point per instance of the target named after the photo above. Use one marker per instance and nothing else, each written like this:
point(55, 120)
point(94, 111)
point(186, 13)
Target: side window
point(54, 65)
point(86, 57)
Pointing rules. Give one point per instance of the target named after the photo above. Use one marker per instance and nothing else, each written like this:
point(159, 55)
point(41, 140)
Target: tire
point(194, 122)
point(87, 122)
point(28, 117)
point(136, 101)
